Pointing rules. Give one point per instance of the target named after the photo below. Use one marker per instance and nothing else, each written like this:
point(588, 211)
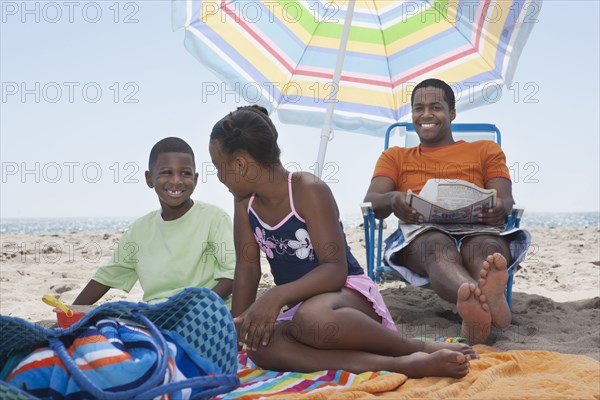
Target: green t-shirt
point(195, 250)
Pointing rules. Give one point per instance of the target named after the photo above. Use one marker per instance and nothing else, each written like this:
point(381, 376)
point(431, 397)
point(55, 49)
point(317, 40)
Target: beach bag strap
point(213, 385)
point(86, 384)
point(196, 321)
point(153, 387)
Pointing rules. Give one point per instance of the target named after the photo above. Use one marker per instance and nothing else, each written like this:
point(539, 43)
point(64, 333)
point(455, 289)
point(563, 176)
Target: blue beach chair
point(469, 132)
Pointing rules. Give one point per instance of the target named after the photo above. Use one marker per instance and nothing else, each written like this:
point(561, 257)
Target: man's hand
point(402, 210)
point(495, 215)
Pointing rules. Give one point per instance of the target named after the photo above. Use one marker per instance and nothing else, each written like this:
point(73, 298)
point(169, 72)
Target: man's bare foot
point(475, 313)
point(493, 285)
point(444, 362)
point(432, 347)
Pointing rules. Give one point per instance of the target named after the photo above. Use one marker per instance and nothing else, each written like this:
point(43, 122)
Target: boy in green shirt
point(186, 243)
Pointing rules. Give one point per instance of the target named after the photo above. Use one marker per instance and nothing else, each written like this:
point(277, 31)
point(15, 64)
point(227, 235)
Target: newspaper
point(451, 202)
point(409, 231)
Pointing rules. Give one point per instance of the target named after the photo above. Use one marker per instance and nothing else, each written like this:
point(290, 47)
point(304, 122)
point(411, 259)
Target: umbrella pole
point(327, 131)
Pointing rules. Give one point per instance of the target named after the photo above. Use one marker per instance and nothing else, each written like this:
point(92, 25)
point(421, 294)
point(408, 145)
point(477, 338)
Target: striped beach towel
point(256, 383)
point(115, 354)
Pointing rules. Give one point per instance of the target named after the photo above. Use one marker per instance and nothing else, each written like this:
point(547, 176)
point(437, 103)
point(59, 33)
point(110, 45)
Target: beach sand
point(556, 295)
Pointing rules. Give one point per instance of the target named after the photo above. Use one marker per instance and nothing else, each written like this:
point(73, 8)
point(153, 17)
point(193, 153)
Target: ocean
point(111, 224)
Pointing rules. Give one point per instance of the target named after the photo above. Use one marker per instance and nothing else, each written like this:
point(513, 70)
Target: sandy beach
point(556, 296)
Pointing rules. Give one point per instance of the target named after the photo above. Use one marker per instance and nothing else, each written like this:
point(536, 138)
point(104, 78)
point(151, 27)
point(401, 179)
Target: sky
point(89, 86)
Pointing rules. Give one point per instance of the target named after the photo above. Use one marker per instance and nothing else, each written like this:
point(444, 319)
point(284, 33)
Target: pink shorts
point(366, 287)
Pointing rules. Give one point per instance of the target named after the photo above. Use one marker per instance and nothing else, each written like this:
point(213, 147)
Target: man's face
point(432, 116)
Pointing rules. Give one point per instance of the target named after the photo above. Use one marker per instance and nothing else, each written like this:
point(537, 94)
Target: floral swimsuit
point(287, 245)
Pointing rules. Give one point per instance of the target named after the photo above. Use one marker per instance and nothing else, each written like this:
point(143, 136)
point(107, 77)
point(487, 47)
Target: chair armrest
point(514, 219)
point(372, 243)
point(366, 208)
point(369, 227)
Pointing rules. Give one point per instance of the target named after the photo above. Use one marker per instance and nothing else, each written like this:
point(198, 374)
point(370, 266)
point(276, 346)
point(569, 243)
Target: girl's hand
point(402, 210)
point(255, 325)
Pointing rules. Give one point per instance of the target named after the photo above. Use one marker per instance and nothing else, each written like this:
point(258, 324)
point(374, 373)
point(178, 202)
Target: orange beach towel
point(516, 374)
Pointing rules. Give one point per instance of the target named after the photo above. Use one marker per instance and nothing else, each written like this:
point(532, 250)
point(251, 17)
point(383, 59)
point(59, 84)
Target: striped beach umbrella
point(351, 65)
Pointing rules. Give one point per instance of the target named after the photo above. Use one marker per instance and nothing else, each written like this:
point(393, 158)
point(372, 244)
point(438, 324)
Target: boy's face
point(432, 116)
point(173, 177)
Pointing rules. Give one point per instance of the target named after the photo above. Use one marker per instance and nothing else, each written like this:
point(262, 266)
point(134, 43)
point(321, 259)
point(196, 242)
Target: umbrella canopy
point(283, 54)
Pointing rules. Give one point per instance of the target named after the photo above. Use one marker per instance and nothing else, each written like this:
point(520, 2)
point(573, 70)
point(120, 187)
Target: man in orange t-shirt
point(471, 270)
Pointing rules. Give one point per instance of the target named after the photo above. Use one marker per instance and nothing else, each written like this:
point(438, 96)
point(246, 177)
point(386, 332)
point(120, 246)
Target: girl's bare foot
point(431, 347)
point(444, 363)
point(493, 285)
point(475, 312)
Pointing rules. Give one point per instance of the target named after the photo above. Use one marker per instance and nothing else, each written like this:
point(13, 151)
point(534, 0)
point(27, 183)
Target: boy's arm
point(223, 288)
point(91, 293)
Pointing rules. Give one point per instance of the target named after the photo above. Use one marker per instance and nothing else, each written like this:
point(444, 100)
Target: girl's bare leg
point(346, 320)
point(284, 353)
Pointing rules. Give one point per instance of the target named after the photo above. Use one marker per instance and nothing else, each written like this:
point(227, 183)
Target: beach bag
point(182, 348)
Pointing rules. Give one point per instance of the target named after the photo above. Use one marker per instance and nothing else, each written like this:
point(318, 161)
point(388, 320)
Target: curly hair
point(440, 84)
point(169, 145)
point(248, 129)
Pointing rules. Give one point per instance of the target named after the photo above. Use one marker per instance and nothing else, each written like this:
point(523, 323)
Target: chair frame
point(461, 131)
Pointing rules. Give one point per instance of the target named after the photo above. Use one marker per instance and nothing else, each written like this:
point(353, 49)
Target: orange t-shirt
point(475, 162)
